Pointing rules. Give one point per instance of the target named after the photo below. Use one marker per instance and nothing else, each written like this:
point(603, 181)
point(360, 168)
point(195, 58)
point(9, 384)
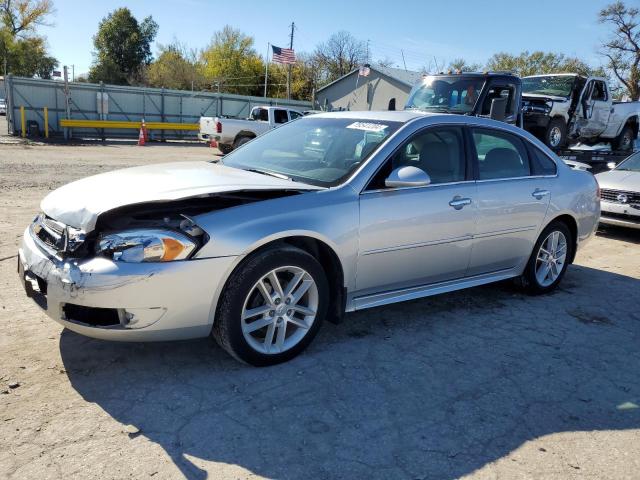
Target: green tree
point(21, 16)
point(122, 48)
point(230, 63)
point(22, 51)
point(534, 63)
point(175, 68)
point(622, 49)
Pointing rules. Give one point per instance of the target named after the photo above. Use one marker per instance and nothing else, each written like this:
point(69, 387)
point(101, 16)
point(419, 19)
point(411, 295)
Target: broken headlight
point(146, 245)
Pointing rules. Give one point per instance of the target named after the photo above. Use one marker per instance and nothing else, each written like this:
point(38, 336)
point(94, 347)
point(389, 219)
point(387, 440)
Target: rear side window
point(500, 155)
point(280, 116)
point(541, 164)
point(260, 114)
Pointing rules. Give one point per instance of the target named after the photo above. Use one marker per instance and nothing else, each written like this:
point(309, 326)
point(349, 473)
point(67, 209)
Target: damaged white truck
point(570, 108)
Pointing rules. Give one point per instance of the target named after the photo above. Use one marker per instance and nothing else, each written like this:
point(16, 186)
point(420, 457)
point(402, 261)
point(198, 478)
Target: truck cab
point(493, 95)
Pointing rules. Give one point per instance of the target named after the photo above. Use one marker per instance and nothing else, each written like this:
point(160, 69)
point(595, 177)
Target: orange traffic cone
point(146, 133)
point(141, 140)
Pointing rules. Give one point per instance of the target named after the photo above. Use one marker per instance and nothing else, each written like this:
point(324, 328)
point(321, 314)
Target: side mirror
point(407, 177)
point(498, 108)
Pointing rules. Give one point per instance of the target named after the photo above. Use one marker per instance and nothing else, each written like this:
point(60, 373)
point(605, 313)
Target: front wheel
point(272, 306)
point(549, 260)
point(556, 134)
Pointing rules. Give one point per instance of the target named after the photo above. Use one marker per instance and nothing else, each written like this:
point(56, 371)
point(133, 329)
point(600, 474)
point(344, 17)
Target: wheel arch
point(317, 248)
point(244, 133)
point(572, 225)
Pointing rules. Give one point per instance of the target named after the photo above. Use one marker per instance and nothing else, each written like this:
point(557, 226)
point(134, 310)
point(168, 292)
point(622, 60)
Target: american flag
point(283, 55)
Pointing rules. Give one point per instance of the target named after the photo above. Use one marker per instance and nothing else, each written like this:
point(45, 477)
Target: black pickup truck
point(499, 95)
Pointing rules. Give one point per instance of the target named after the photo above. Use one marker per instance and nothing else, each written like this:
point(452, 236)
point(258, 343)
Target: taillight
point(218, 126)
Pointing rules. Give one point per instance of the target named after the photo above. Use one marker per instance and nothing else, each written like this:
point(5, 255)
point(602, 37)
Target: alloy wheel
point(551, 258)
point(279, 310)
point(555, 136)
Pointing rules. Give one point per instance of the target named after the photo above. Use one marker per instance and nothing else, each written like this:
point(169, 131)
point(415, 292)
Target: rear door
point(512, 200)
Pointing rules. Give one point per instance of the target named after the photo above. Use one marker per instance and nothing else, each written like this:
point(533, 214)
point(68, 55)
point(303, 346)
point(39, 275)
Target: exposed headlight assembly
point(146, 245)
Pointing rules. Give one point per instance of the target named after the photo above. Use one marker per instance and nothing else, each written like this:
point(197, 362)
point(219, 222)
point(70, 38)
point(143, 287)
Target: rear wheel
point(272, 306)
point(556, 133)
point(549, 260)
point(241, 141)
point(624, 141)
point(225, 149)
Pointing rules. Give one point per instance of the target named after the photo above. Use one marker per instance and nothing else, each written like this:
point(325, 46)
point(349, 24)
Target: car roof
point(402, 116)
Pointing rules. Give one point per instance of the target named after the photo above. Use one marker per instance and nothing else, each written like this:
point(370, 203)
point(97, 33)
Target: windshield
point(446, 94)
point(631, 164)
point(318, 151)
point(559, 86)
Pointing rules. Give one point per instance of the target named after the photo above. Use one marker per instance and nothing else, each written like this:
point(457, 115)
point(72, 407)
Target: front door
point(419, 235)
point(512, 202)
point(595, 109)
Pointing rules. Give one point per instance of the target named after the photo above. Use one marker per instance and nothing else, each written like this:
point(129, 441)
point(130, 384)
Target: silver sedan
point(328, 214)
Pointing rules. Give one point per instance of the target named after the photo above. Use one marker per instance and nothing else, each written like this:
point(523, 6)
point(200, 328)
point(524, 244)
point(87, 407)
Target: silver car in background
point(620, 192)
point(330, 213)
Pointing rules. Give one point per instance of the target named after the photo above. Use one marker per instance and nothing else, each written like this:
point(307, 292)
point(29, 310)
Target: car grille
point(50, 234)
point(619, 196)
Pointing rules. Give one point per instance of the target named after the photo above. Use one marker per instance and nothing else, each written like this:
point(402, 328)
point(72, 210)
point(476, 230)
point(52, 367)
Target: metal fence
point(121, 103)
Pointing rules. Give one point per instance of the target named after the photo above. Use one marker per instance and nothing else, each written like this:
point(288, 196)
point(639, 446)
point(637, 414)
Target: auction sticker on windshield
point(367, 127)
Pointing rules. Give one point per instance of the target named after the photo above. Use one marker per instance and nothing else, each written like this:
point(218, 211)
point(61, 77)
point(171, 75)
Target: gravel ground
point(485, 383)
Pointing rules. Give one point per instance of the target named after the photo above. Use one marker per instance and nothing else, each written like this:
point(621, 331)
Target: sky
point(425, 31)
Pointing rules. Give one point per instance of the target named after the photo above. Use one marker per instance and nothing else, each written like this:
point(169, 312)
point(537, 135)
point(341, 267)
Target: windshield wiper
point(271, 174)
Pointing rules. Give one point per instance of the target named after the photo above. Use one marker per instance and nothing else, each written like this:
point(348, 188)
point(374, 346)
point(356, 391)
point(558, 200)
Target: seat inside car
point(440, 161)
point(501, 162)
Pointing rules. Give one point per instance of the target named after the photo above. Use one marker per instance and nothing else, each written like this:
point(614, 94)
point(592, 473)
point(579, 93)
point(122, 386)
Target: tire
point(241, 141)
point(225, 149)
point(624, 141)
point(263, 345)
point(533, 279)
point(555, 136)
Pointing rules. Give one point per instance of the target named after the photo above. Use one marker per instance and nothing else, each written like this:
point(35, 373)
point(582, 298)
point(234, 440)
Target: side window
point(293, 114)
point(260, 115)
point(599, 91)
point(500, 155)
point(541, 164)
point(439, 152)
point(280, 116)
point(507, 93)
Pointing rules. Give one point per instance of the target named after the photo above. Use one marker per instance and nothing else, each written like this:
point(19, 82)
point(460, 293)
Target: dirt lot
point(486, 383)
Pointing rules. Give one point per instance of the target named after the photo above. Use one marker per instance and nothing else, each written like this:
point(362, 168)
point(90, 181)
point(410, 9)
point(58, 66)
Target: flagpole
point(266, 70)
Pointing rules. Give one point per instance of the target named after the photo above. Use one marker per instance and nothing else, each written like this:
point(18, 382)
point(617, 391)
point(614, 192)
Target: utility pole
point(293, 27)
point(73, 73)
point(368, 60)
point(404, 63)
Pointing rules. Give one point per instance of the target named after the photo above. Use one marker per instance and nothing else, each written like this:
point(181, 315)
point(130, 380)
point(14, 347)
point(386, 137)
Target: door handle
point(458, 202)
point(538, 193)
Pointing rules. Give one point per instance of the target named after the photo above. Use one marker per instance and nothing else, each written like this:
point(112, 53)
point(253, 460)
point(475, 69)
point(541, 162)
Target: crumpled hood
point(79, 203)
point(619, 180)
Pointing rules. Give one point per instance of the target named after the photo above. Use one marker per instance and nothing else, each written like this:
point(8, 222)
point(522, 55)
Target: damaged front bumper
point(102, 298)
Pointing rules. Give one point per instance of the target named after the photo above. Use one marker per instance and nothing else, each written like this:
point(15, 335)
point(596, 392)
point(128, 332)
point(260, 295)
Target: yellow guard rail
point(117, 124)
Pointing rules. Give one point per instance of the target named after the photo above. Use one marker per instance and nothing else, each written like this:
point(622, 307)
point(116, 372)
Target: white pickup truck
point(230, 133)
point(569, 108)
